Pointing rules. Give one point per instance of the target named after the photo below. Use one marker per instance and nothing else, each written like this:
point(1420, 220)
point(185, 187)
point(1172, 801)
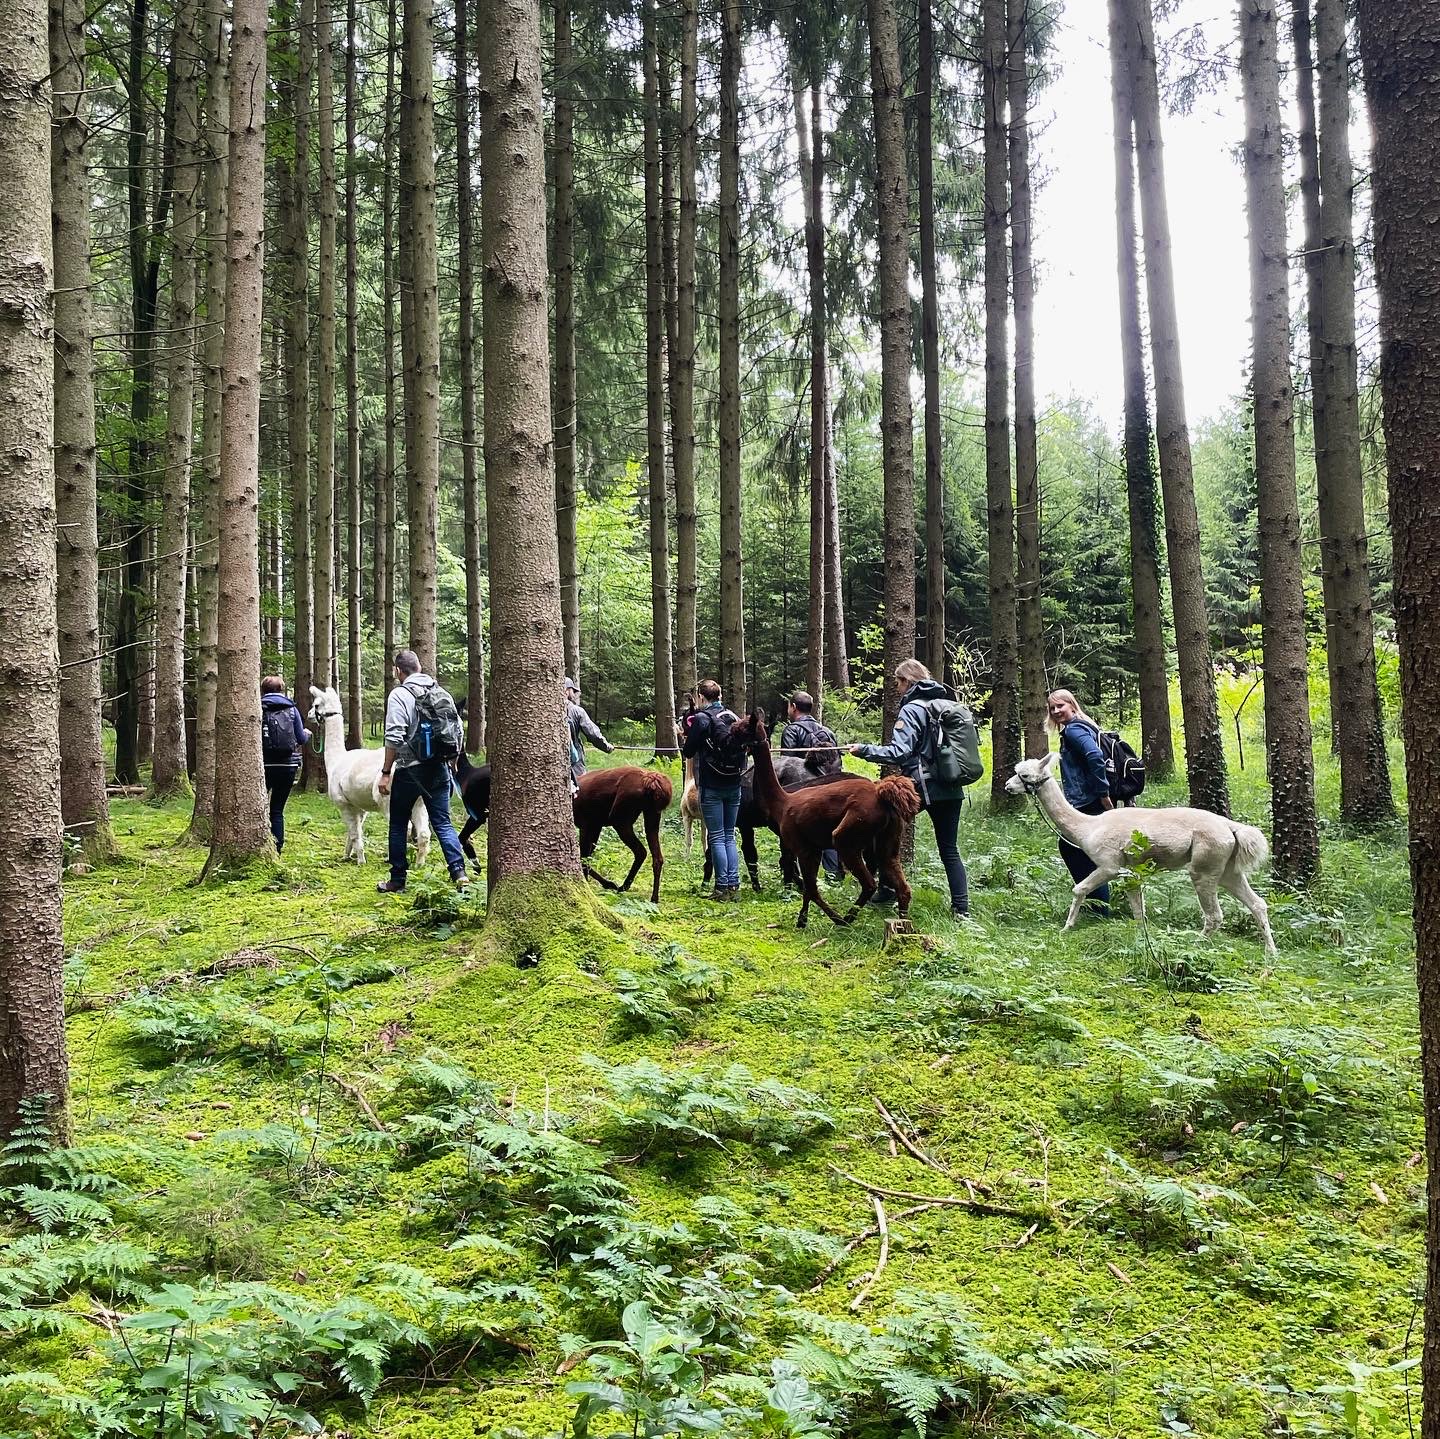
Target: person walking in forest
point(912, 749)
point(719, 765)
point(582, 727)
point(805, 736)
point(282, 736)
point(1085, 780)
point(422, 734)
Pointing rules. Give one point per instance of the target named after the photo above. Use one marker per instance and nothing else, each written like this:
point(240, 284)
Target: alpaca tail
point(1251, 849)
point(900, 796)
point(657, 789)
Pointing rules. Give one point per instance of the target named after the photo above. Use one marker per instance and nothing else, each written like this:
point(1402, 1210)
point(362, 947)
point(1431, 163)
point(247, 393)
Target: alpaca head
point(750, 731)
point(325, 704)
point(1030, 774)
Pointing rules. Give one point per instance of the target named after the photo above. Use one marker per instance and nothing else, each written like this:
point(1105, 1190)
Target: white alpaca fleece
point(1218, 852)
point(352, 779)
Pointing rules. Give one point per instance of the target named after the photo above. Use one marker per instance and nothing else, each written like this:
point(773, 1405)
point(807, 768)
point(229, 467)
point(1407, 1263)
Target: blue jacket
point(301, 734)
point(1082, 765)
point(909, 749)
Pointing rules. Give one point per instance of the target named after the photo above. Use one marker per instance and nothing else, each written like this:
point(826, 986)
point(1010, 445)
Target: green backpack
point(954, 742)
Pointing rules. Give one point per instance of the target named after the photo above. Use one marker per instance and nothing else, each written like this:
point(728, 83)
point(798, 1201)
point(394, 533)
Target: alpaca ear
point(1052, 759)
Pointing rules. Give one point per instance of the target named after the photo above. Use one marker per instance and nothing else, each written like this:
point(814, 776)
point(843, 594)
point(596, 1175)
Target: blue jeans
point(720, 808)
point(431, 783)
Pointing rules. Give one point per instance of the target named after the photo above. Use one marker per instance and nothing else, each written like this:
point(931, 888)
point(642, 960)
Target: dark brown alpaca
point(853, 816)
point(618, 797)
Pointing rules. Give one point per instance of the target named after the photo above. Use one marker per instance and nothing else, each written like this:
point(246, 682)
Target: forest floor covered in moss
point(322, 1151)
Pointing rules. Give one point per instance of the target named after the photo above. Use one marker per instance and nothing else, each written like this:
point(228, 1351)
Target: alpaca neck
point(1063, 815)
point(766, 785)
point(334, 734)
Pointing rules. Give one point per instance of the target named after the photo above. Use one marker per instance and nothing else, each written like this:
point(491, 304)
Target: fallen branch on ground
point(949, 1201)
point(894, 1127)
point(361, 1103)
point(882, 1261)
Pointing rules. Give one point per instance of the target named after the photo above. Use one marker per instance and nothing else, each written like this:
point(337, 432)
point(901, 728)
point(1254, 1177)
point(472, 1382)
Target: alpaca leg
point(809, 873)
point(752, 855)
point(589, 838)
point(688, 821)
point(894, 876)
point(471, 825)
point(1206, 892)
point(657, 856)
point(421, 821)
point(854, 861)
point(1239, 886)
point(626, 831)
point(359, 836)
point(1085, 889)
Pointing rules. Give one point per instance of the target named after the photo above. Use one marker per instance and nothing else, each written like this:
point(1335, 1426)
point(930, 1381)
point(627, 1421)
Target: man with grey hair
point(580, 725)
point(407, 775)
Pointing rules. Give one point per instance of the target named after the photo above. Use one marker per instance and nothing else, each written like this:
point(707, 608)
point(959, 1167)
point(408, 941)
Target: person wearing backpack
point(935, 746)
point(582, 727)
point(422, 736)
point(1085, 779)
point(805, 734)
point(719, 766)
point(282, 736)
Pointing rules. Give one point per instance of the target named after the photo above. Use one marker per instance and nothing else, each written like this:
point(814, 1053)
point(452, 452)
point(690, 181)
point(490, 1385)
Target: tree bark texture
point(531, 828)
point(385, 545)
point(470, 478)
point(1142, 501)
point(422, 462)
point(1204, 748)
point(663, 672)
point(207, 492)
point(241, 827)
point(935, 583)
point(566, 496)
point(682, 362)
point(999, 504)
point(1030, 625)
point(169, 773)
point(1365, 791)
point(354, 735)
point(837, 663)
point(324, 546)
point(1295, 835)
point(84, 806)
point(732, 585)
point(32, 1025)
point(1401, 60)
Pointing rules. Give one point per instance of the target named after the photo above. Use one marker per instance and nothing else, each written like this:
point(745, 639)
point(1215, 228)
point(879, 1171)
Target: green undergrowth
point(340, 1161)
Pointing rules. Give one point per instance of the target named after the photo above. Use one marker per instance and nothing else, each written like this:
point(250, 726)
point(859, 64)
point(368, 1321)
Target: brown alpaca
point(851, 816)
point(618, 797)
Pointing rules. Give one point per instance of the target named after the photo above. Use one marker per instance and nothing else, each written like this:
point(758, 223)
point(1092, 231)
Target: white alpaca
point(353, 780)
point(1218, 852)
point(690, 807)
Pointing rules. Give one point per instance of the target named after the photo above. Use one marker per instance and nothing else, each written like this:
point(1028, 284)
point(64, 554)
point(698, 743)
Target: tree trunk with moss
point(386, 546)
point(33, 1063)
point(83, 802)
point(732, 562)
point(566, 497)
point(1295, 836)
point(241, 829)
point(531, 832)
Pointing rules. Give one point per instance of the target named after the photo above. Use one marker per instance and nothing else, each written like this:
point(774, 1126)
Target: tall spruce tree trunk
point(683, 360)
point(1204, 749)
point(169, 772)
point(354, 732)
point(663, 671)
point(1402, 82)
point(83, 802)
point(241, 831)
point(296, 229)
point(324, 538)
point(531, 832)
point(935, 584)
point(837, 663)
point(897, 438)
point(812, 187)
point(1365, 792)
point(1030, 625)
point(385, 544)
point(566, 497)
point(32, 1022)
point(732, 585)
point(474, 523)
point(999, 504)
point(207, 495)
point(422, 465)
point(1156, 743)
point(1290, 761)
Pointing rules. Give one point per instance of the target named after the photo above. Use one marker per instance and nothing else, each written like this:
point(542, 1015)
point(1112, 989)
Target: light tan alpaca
point(1218, 852)
point(690, 807)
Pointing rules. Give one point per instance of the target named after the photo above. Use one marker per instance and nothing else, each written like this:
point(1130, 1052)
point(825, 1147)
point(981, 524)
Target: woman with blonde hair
point(1085, 780)
point(911, 750)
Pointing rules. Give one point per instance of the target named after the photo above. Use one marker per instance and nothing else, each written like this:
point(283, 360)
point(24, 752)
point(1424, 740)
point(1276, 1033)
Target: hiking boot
point(884, 895)
point(719, 893)
point(459, 879)
point(390, 886)
point(733, 894)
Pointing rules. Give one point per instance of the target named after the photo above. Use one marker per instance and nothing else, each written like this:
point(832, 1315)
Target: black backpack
point(1124, 769)
point(435, 732)
point(725, 757)
point(277, 734)
point(820, 760)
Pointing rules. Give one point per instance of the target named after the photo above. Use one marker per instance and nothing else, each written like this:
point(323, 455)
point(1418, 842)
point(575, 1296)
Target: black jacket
point(696, 744)
point(807, 733)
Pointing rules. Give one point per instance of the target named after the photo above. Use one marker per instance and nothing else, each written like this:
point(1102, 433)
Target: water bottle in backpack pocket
point(277, 734)
point(435, 732)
